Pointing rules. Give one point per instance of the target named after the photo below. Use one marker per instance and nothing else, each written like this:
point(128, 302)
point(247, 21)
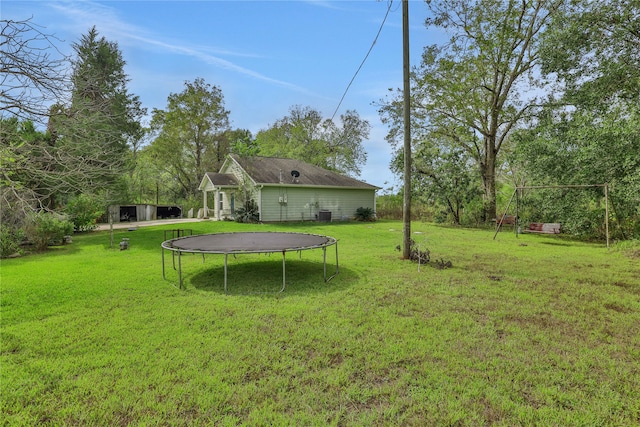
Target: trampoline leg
point(180, 268)
point(324, 262)
point(225, 273)
point(163, 275)
point(337, 267)
point(283, 271)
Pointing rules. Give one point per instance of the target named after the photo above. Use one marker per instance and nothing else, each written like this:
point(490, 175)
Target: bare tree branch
point(32, 78)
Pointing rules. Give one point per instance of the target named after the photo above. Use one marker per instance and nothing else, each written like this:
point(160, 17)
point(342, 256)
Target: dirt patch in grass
point(634, 289)
point(617, 307)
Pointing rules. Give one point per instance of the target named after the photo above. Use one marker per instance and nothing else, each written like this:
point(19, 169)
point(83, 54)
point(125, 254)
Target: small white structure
point(283, 190)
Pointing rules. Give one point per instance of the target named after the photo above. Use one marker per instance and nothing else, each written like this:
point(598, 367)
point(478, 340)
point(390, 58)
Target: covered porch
point(218, 189)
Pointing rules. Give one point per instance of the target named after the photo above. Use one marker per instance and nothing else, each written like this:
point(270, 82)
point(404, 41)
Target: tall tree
point(297, 136)
point(242, 142)
point(239, 141)
point(593, 51)
point(588, 134)
point(190, 130)
point(103, 118)
point(305, 135)
point(443, 176)
point(85, 144)
point(344, 143)
point(475, 89)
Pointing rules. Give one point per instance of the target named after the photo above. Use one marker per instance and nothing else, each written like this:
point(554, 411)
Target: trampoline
point(246, 243)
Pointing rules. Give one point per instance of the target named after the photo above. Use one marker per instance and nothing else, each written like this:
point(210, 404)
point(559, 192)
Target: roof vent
point(294, 175)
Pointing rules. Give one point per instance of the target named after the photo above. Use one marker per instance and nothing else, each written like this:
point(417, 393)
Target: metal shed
point(144, 212)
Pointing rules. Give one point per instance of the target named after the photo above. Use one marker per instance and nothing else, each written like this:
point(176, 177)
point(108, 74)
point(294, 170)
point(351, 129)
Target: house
point(284, 190)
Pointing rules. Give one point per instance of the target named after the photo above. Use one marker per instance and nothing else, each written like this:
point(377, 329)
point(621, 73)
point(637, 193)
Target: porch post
point(205, 211)
point(217, 205)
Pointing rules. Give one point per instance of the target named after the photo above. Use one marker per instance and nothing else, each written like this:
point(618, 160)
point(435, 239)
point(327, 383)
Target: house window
point(221, 202)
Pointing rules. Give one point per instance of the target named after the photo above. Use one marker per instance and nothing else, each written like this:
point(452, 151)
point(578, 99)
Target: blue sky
point(265, 56)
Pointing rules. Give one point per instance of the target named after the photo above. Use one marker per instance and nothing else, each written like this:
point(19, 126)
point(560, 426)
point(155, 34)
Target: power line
point(364, 60)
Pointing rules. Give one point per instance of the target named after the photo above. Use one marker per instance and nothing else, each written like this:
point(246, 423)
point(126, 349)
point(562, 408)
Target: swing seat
point(543, 227)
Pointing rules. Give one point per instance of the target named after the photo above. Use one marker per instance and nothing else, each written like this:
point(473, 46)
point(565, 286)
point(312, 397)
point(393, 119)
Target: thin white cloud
point(323, 3)
point(110, 24)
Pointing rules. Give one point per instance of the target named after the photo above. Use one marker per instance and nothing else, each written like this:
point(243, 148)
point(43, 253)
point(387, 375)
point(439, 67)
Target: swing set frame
point(538, 187)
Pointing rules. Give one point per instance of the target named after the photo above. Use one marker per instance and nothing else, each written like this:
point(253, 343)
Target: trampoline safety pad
point(248, 242)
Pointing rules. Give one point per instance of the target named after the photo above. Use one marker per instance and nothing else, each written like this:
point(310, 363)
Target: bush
point(10, 240)
point(43, 229)
point(473, 212)
point(392, 207)
point(365, 214)
point(84, 211)
point(248, 213)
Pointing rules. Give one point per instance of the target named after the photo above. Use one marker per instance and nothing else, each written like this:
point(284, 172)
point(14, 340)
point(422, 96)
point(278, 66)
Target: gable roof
point(276, 171)
point(222, 179)
point(212, 180)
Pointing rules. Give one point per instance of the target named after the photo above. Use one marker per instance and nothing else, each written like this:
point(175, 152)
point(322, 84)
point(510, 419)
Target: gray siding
point(291, 203)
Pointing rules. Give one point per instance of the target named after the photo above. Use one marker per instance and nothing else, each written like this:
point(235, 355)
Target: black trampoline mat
point(263, 242)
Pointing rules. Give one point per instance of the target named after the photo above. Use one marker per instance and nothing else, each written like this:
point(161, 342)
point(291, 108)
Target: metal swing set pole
point(536, 187)
point(515, 227)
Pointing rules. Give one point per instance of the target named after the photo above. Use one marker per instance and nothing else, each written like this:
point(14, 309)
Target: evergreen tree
point(103, 118)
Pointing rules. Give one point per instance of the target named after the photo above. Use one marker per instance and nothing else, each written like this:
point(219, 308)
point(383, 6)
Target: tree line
point(523, 93)
point(74, 142)
point(527, 92)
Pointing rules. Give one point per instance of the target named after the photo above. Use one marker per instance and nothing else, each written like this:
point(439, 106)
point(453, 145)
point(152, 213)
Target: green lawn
point(534, 330)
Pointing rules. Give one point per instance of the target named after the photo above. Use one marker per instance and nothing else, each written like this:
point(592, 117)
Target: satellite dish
point(295, 173)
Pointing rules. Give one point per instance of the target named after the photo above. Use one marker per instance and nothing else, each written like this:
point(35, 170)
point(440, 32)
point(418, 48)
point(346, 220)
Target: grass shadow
point(256, 277)
point(30, 254)
point(556, 243)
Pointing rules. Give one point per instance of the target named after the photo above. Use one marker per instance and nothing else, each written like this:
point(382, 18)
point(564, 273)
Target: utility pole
point(406, 209)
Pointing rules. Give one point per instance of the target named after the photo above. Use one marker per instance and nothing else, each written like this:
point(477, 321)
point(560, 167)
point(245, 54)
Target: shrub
point(10, 240)
point(473, 211)
point(43, 229)
point(248, 213)
point(84, 211)
point(630, 248)
point(365, 214)
point(392, 207)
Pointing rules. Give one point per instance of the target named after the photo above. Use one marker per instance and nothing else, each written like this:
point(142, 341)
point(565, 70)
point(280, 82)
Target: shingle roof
point(274, 170)
point(222, 179)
